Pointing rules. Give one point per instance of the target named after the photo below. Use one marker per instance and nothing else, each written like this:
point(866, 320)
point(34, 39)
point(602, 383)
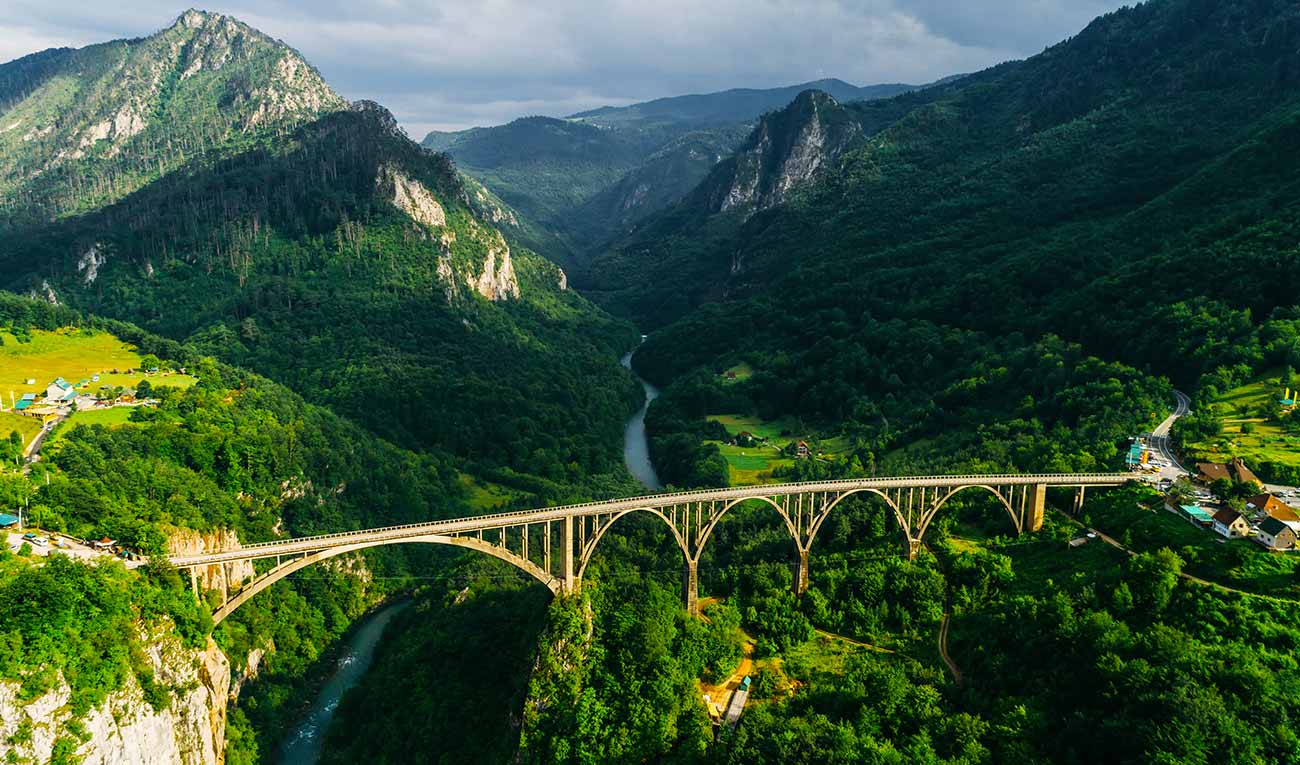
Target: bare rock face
point(410, 196)
point(787, 150)
point(125, 729)
point(225, 578)
point(497, 280)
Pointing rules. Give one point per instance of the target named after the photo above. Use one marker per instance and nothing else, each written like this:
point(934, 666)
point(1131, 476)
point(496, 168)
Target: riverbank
point(636, 445)
point(303, 745)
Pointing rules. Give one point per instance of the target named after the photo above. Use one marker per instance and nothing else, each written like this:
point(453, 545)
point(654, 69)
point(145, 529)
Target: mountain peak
point(206, 78)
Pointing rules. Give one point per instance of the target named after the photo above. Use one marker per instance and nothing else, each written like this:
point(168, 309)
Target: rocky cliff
point(186, 726)
point(222, 578)
point(788, 149)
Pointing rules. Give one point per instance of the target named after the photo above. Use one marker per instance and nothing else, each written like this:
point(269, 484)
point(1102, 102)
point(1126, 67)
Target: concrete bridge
point(555, 544)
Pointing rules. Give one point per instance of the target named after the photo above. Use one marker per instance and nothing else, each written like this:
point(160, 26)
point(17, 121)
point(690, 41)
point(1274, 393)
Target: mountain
point(579, 181)
point(1033, 181)
point(82, 128)
point(660, 268)
point(728, 106)
point(1118, 208)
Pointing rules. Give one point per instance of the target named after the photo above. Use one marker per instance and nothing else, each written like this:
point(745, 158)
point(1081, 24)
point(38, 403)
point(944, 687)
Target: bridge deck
point(300, 545)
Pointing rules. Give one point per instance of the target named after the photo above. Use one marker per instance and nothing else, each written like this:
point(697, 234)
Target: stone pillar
point(913, 546)
point(691, 588)
point(801, 573)
point(1034, 510)
point(1078, 500)
point(194, 581)
point(568, 584)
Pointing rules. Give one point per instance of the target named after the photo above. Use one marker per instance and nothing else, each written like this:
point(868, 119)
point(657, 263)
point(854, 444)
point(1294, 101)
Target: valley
point(947, 422)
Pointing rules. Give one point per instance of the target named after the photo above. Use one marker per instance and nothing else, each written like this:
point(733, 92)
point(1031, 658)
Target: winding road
point(1160, 436)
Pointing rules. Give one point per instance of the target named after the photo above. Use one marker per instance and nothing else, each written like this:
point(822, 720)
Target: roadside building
point(1271, 506)
point(59, 391)
point(1231, 524)
point(1276, 535)
point(22, 405)
point(1197, 516)
point(801, 449)
point(8, 521)
point(1209, 472)
point(103, 544)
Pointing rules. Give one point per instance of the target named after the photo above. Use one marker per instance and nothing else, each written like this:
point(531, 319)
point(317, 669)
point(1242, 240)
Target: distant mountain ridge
point(579, 181)
point(734, 105)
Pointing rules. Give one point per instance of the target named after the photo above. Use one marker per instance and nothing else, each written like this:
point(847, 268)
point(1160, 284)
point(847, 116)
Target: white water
point(636, 448)
point(303, 745)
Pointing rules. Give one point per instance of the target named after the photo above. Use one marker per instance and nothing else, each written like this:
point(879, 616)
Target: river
point(636, 448)
point(303, 745)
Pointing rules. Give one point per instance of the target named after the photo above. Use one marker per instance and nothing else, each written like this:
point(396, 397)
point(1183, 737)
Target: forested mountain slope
point(590, 176)
point(345, 261)
point(81, 128)
point(727, 107)
point(1125, 168)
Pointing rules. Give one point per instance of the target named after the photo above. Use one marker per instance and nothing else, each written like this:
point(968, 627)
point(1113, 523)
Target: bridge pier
point(691, 588)
point(912, 547)
point(1033, 520)
point(1078, 500)
point(801, 573)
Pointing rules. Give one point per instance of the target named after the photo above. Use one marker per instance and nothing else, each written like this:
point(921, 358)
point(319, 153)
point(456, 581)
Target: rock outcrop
point(222, 578)
point(410, 196)
point(126, 729)
point(785, 152)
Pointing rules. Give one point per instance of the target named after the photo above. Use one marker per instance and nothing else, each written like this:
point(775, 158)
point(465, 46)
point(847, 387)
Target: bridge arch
point(707, 533)
point(826, 513)
point(260, 583)
point(934, 509)
point(589, 549)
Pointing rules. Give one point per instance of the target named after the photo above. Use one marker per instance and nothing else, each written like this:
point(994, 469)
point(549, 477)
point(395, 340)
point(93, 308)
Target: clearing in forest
point(75, 355)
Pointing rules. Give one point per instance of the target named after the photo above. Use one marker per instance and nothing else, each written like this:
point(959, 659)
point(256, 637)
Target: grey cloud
point(451, 63)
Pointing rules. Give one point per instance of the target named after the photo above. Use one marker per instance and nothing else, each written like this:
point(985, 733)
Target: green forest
point(1014, 270)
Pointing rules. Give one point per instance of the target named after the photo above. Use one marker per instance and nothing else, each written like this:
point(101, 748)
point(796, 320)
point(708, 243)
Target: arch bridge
point(555, 544)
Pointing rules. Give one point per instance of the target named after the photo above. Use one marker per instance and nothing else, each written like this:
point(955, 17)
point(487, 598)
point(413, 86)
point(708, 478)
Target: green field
point(26, 426)
point(1250, 405)
point(754, 464)
point(742, 371)
point(73, 354)
point(111, 418)
point(485, 495)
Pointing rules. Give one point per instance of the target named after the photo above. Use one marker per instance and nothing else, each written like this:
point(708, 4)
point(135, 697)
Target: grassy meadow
point(73, 354)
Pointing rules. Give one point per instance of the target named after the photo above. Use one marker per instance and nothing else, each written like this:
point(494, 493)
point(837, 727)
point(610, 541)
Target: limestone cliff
point(222, 578)
point(788, 149)
point(189, 729)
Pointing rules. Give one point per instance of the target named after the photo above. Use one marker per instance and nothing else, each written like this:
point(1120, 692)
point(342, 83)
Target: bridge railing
point(495, 519)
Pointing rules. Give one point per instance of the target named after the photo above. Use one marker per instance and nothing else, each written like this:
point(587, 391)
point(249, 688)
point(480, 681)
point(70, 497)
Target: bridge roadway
point(393, 534)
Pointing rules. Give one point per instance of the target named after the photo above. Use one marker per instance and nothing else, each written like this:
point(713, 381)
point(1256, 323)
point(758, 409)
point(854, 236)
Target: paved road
point(1173, 469)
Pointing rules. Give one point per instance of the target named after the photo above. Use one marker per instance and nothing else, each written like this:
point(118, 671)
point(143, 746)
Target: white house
point(1276, 535)
point(1231, 524)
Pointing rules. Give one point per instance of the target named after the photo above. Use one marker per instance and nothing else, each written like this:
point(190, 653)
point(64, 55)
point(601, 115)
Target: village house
point(1271, 506)
point(1209, 472)
point(60, 391)
point(801, 450)
point(1231, 524)
point(1276, 535)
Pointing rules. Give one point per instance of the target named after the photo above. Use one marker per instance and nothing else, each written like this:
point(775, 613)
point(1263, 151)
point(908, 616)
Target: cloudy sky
point(449, 64)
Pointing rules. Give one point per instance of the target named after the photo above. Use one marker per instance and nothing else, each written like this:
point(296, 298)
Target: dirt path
point(851, 641)
point(943, 649)
point(1189, 577)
